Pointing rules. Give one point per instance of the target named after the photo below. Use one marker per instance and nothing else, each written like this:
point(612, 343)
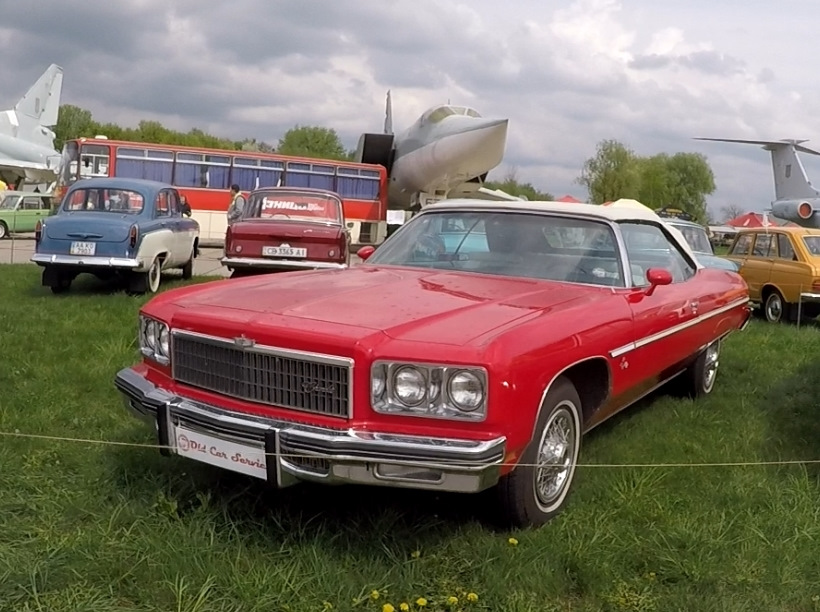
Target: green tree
point(312, 141)
point(690, 180)
point(654, 182)
point(613, 173)
point(511, 185)
point(73, 122)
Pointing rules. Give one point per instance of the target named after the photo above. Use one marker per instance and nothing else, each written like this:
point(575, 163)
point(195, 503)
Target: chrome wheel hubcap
point(556, 455)
point(774, 308)
point(710, 368)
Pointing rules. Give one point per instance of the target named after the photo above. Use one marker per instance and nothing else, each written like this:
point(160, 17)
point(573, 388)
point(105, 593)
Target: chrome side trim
point(622, 350)
point(810, 297)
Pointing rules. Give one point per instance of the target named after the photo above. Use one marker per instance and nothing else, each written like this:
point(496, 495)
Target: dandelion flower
point(421, 602)
point(513, 542)
point(452, 600)
point(388, 608)
point(404, 607)
point(472, 597)
point(374, 595)
point(415, 554)
point(326, 605)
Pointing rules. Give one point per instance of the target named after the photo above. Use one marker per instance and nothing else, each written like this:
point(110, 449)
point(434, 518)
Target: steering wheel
point(429, 247)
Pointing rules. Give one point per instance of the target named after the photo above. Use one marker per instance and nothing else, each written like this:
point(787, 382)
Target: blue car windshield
point(122, 201)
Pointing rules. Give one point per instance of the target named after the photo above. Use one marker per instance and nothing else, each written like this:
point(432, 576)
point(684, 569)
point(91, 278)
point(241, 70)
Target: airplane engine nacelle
point(801, 212)
point(375, 149)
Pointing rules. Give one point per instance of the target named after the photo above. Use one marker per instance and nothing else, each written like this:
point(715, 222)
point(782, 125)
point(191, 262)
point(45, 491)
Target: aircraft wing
point(31, 171)
point(482, 193)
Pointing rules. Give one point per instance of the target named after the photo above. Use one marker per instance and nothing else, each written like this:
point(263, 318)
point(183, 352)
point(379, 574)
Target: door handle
point(694, 306)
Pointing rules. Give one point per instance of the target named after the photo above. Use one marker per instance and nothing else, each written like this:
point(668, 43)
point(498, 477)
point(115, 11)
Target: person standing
point(236, 205)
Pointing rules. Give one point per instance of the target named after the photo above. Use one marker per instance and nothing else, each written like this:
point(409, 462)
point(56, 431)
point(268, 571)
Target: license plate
point(215, 451)
point(281, 251)
point(83, 248)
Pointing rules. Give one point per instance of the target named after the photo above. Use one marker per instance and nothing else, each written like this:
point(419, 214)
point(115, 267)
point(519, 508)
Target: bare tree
point(729, 212)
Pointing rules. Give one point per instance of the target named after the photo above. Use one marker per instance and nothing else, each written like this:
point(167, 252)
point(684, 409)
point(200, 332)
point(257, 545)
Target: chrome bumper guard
point(295, 452)
point(81, 260)
point(289, 264)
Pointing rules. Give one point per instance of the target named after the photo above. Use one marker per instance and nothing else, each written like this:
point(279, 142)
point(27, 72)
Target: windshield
point(283, 205)
point(8, 202)
point(104, 200)
point(507, 244)
point(696, 236)
point(812, 244)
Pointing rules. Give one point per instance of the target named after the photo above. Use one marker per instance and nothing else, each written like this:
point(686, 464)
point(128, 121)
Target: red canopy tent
point(751, 220)
point(570, 199)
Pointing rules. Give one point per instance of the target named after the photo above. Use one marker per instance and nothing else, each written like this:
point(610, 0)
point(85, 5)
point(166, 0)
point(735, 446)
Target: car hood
point(713, 261)
point(89, 225)
point(409, 304)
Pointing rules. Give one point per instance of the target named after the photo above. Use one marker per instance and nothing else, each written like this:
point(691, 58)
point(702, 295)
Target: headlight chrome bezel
point(154, 340)
point(437, 400)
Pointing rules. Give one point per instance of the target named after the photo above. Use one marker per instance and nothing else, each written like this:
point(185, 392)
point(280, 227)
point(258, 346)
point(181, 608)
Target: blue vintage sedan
point(112, 226)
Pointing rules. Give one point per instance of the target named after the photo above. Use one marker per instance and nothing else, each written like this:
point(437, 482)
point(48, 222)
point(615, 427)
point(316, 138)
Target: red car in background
point(288, 228)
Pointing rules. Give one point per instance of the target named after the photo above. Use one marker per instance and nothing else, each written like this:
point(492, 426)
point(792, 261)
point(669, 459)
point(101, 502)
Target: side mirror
point(657, 277)
point(365, 252)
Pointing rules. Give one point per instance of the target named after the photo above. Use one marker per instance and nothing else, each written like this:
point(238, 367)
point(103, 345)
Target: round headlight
point(409, 386)
point(164, 341)
point(466, 391)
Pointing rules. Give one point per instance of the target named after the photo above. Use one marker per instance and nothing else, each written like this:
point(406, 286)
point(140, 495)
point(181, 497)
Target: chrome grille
point(319, 384)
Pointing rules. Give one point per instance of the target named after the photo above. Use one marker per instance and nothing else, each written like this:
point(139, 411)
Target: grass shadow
point(350, 518)
point(88, 285)
point(792, 407)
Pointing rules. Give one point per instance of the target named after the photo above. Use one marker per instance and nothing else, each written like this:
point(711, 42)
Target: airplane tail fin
point(388, 115)
point(790, 179)
point(36, 111)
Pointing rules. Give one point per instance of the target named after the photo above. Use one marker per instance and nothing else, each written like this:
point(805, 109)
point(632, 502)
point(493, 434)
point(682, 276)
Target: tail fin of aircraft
point(388, 115)
point(36, 111)
point(790, 179)
point(378, 148)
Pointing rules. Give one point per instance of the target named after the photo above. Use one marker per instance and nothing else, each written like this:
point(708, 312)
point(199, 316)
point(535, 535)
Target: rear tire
point(537, 489)
point(699, 378)
point(775, 308)
point(188, 269)
point(146, 282)
point(4, 230)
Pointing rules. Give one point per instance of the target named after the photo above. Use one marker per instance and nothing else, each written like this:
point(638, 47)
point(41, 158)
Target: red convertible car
point(288, 228)
point(471, 350)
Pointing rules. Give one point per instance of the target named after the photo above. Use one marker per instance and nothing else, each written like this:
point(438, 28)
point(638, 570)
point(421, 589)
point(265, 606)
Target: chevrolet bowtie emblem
point(243, 342)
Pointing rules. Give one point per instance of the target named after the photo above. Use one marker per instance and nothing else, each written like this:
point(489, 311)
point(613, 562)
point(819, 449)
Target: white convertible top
point(612, 212)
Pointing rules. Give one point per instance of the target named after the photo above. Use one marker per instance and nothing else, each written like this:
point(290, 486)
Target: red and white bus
point(204, 176)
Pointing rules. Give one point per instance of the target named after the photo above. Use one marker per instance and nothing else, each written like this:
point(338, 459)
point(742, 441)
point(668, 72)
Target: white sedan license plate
point(283, 251)
point(215, 451)
point(83, 248)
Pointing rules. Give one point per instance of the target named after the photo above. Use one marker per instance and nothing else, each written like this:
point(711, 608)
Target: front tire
point(536, 490)
point(4, 230)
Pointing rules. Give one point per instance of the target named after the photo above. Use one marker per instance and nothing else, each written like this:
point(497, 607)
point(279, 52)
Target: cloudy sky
point(568, 73)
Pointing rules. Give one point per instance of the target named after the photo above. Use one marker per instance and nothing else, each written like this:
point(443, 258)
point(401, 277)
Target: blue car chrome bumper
point(126, 263)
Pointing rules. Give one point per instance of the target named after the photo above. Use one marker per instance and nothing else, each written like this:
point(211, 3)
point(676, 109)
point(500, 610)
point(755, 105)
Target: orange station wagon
point(781, 265)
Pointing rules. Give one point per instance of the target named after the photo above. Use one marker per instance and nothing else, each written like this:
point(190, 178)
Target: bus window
point(252, 174)
point(150, 164)
point(94, 160)
point(357, 184)
point(300, 174)
point(203, 170)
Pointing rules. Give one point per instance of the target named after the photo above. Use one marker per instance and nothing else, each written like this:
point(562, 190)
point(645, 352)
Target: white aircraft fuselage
point(448, 147)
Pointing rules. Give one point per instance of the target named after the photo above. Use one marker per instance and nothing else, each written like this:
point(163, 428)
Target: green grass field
point(94, 527)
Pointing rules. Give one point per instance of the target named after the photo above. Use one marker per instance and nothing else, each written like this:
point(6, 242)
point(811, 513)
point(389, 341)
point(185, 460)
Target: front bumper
point(285, 453)
point(279, 264)
point(80, 261)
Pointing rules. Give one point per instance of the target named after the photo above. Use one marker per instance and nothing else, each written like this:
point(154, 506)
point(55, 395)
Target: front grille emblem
point(243, 342)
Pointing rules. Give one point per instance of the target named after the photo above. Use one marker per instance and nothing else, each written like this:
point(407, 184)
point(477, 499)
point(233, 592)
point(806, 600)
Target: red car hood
point(414, 305)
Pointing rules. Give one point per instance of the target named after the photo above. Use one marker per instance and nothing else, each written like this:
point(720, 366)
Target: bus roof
point(234, 152)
